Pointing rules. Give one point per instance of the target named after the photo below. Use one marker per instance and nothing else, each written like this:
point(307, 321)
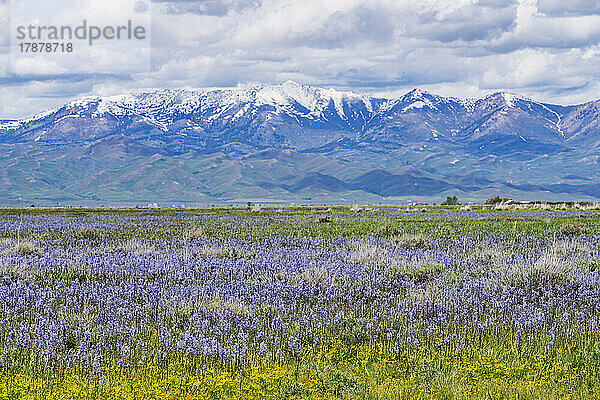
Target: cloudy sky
point(545, 49)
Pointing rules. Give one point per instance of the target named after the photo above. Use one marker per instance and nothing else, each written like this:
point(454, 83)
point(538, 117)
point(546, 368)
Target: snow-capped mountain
point(205, 120)
point(502, 136)
point(296, 117)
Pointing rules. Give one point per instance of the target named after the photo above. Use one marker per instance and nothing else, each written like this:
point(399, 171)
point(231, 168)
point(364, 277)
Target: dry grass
point(505, 206)
point(187, 309)
point(552, 267)
point(315, 276)
point(589, 207)
point(216, 251)
point(195, 233)
point(569, 246)
point(366, 253)
point(26, 248)
point(545, 206)
point(494, 255)
point(430, 291)
point(138, 247)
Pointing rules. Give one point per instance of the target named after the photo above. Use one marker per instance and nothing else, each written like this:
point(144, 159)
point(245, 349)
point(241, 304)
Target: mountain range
point(292, 143)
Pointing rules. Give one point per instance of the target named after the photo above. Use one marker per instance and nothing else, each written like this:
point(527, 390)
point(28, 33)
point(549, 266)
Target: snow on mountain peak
point(417, 104)
point(280, 95)
point(510, 99)
point(312, 98)
point(418, 98)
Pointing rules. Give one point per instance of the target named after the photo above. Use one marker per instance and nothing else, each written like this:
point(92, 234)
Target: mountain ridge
point(502, 143)
point(264, 94)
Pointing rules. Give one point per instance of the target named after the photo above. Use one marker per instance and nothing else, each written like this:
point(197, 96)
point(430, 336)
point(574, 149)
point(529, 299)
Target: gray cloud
point(468, 23)
point(343, 28)
point(206, 7)
point(497, 3)
point(568, 8)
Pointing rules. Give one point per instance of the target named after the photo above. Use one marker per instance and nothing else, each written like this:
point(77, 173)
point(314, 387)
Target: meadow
point(301, 303)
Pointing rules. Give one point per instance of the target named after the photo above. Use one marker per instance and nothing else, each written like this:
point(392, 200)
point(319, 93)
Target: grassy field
point(355, 302)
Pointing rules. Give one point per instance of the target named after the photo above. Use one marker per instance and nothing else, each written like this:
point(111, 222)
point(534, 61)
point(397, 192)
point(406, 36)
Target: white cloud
point(545, 49)
point(537, 30)
point(36, 66)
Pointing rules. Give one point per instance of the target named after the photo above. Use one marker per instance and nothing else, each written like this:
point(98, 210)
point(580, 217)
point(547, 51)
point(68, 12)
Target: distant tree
point(497, 200)
point(249, 204)
point(494, 200)
point(450, 201)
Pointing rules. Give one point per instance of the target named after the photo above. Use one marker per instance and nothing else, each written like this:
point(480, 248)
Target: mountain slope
point(292, 142)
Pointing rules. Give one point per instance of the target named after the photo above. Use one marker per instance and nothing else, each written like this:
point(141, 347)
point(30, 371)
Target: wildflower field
point(300, 303)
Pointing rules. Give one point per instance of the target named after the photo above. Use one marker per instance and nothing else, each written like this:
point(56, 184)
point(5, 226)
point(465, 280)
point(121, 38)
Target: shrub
point(572, 228)
point(25, 248)
point(387, 230)
point(88, 232)
point(323, 218)
point(551, 269)
point(219, 252)
point(365, 253)
point(315, 276)
point(493, 200)
point(195, 233)
point(409, 240)
point(490, 254)
point(233, 304)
